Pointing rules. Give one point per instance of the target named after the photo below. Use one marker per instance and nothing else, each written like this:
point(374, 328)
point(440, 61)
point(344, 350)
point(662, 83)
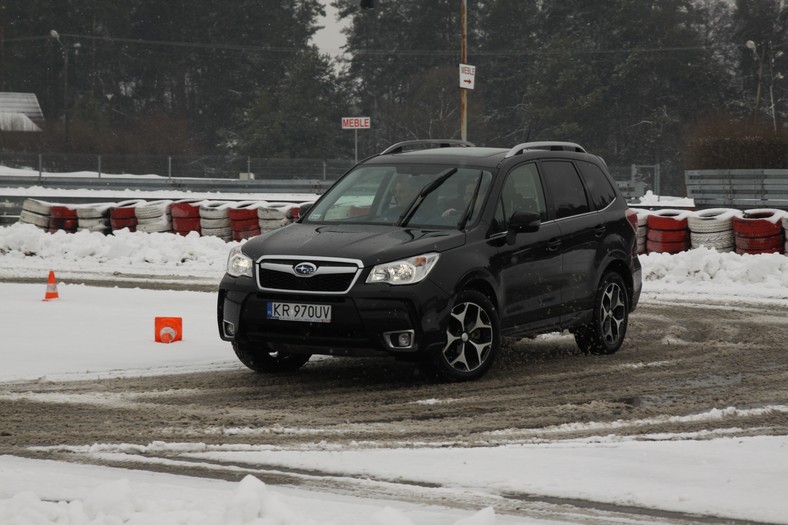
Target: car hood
point(372, 244)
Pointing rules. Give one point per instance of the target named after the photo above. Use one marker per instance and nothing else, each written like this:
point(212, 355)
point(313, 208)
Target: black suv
point(435, 250)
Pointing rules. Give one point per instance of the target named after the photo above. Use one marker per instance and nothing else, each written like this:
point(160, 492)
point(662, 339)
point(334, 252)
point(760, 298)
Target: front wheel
point(472, 339)
point(264, 358)
point(605, 333)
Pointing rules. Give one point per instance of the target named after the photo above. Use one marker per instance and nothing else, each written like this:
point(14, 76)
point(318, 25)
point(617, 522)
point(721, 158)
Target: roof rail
point(399, 147)
point(547, 145)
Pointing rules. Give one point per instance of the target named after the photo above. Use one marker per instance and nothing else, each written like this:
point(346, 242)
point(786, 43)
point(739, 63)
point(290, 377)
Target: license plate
point(310, 313)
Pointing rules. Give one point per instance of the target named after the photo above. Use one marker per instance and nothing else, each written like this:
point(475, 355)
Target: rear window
point(602, 192)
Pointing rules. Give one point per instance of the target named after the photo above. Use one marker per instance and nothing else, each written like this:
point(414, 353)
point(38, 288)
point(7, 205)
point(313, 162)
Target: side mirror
point(522, 222)
point(304, 209)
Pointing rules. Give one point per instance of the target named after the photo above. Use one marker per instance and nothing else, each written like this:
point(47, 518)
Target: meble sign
point(356, 123)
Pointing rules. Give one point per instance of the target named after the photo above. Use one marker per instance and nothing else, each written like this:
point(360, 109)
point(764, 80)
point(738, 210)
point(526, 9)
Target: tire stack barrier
point(186, 216)
point(713, 228)
point(642, 234)
point(35, 212)
point(668, 232)
point(62, 218)
point(276, 215)
point(154, 216)
point(243, 219)
point(759, 231)
point(214, 220)
point(95, 217)
point(122, 215)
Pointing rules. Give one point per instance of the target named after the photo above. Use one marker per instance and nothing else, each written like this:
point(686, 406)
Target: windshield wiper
point(426, 190)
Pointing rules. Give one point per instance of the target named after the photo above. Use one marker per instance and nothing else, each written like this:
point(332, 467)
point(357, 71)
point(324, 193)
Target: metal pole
point(355, 132)
point(99, 166)
point(464, 60)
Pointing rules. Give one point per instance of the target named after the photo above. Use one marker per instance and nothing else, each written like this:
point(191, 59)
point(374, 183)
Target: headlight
point(239, 264)
point(407, 271)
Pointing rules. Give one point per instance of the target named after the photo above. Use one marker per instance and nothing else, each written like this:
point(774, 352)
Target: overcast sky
point(330, 39)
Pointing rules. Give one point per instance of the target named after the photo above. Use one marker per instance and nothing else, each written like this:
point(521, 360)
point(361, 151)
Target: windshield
point(405, 195)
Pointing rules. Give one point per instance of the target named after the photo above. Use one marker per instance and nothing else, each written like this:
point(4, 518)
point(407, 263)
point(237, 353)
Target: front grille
point(332, 275)
point(274, 280)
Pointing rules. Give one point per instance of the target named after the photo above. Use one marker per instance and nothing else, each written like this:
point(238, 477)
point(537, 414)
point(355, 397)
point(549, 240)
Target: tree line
point(637, 81)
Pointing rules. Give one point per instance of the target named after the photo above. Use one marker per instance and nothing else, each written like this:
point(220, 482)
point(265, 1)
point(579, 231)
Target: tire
point(264, 359)
point(668, 235)
point(712, 221)
point(187, 224)
point(213, 224)
point(36, 206)
point(721, 241)
point(473, 337)
point(760, 244)
point(29, 217)
point(668, 220)
point(185, 210)
point(214, 210)
point(667, 247)
point(757, 224)
point(605, 334)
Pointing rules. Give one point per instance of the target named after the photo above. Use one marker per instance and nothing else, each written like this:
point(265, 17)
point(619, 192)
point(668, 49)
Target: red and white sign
point(356, 123)
point(467, 76)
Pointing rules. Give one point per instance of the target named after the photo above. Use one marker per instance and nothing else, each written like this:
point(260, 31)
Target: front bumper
point(368, 317)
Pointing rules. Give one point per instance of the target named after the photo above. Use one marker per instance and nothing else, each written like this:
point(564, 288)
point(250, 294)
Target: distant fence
point(738, 188)
point(181, 166)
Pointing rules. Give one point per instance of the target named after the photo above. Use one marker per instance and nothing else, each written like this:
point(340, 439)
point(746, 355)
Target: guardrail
point(743, 189)
point(11, 205)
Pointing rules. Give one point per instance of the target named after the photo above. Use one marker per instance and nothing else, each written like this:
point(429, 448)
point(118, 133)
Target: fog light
point(400, 339)
point(229, 329)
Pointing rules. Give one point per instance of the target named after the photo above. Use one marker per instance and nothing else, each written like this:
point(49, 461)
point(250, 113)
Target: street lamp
point(54, 34)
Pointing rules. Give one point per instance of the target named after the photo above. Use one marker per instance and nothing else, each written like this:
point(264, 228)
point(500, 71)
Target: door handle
point(599, 230)
point(553, 244)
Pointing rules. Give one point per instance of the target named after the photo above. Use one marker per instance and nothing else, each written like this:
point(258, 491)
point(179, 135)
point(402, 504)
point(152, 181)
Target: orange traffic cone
point(51, 287)
point(168, 329)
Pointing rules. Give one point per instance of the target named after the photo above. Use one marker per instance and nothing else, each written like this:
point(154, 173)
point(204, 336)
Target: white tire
point(223, 233)
point(95, 211)
point(29, 217)
point(213, 224)
point(36, 206)
point(712, 240)
point(153, 209)
point(214, 209)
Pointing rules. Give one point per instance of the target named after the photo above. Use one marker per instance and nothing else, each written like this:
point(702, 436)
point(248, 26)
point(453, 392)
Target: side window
point(602, 192)
point(566, 188)
point(522, 191)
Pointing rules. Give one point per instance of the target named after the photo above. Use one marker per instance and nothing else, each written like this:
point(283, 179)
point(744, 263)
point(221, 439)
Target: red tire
point(668, 220)
point(757, 224)
point(667, 247)
point(119, 224)
point(185, 210)
point(668, 235)
point(122, 213)
point(186, 224)
point(245, 234)
point(242, 214)
point(62, 212)
point(758, 252)
point(246, 224)
point(775, 242)
point(184, 233)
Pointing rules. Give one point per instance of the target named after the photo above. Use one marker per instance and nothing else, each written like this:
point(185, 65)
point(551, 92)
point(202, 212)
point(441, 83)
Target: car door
point(581, 232)
point(528, 269)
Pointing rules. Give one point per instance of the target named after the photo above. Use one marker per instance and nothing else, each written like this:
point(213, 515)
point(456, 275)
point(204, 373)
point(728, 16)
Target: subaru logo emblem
point(304, 269)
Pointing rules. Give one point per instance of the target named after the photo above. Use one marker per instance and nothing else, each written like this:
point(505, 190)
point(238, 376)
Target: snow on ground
point(106, 332)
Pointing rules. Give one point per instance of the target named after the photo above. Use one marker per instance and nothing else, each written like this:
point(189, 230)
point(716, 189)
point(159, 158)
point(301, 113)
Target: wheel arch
point(620, 267)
